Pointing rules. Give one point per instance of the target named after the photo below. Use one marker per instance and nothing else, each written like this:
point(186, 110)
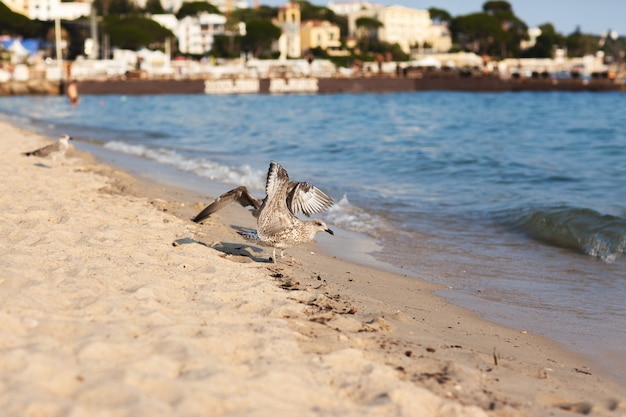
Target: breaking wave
point(355, 219)
point(580, 229)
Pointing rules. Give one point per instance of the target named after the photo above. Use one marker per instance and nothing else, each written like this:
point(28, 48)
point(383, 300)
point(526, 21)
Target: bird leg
point(273, 258)
point(292, 260)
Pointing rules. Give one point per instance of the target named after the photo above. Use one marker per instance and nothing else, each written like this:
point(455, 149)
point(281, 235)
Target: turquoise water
point(515, 201)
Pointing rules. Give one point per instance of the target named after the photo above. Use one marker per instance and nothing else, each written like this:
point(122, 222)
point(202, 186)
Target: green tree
point(440, 15)
point(226, 46)
point(310, 11)
point(122, 7)
point(367, 31)
point(477, 32)
point(154, 7)
point(134, 32)
point(612, 48)
point(514, 30)
point(78, 30)
point(262, 13)
point(545, 43)
point(496, 31)
point(193, 8)
point(231, 46)
point(385, 49)
point(260, 34)
point(580, 44)
point(12, 23)
point(106, 7)
point(497, 7)
point(368, 23)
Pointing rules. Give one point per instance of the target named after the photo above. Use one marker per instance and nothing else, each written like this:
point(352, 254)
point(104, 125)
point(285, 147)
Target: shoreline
point(439, 81)
point(366, 251)
point(196, 188)
point(442, 81)
point(389, 344)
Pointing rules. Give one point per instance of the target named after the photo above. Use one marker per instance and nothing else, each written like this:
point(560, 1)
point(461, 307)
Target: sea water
point(515, 202)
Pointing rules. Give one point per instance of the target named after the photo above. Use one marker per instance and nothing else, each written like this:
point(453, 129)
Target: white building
point(196, 34)
point(74, 10)
point(168, 21)
point(354, 10)
point(404, 26)
point(344, 8)
point(49, 9)
point(439, 38)
point(18, 6)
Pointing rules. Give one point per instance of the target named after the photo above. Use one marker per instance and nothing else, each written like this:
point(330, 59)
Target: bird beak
point(329, 231)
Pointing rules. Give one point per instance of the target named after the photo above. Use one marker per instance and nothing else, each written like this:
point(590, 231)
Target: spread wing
point(277, 179)
point(240, 195)
point(306, 198)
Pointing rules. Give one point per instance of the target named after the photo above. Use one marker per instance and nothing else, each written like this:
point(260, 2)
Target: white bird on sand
point(301, 197)
point(54, 150)
point(277, 225)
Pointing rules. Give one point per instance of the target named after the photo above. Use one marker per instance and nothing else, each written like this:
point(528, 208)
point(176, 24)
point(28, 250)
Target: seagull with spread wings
point(277, 225)
point(301, 197)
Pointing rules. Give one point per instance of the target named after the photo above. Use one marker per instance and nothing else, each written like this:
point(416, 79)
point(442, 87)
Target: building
point(353, 10)
point(196, 34)
point(409, 28)
point(404, 26)
point(168, 21)
point(533, 34)
point(344, 8)
point(439, 39)
point(46, 10)
point(289, 43)
point(319, 34)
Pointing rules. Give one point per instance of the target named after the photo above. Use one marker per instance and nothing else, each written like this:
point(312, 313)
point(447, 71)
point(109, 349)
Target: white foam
point(242, 175)
point(604, 248)
point(342, 213)
point(355, 219)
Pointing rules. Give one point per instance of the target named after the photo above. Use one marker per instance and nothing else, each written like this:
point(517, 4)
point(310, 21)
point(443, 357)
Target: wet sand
point(115, 303)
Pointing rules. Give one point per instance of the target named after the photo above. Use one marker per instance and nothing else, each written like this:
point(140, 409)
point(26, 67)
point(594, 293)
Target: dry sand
point(113, 303)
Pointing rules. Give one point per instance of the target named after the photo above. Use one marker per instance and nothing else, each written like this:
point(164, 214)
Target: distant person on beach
point(72, 93)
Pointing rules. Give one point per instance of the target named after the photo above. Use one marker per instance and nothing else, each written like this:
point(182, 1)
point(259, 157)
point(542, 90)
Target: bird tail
point(251, 235)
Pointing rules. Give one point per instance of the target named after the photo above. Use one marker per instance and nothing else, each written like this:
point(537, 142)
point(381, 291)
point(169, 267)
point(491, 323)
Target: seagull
point(277, 225)
point(54, 150)
point(301, 197)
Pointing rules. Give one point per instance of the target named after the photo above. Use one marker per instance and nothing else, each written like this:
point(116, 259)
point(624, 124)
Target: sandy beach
point(113, 303)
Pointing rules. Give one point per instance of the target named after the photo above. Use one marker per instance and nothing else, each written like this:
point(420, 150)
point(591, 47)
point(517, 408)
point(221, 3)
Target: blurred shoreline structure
point(149, 72)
